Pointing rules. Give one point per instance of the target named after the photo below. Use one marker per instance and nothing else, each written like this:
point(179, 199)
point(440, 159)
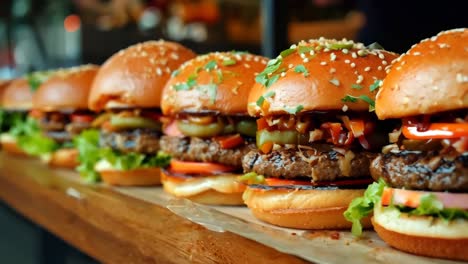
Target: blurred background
point(46, 34)
point(42, 34)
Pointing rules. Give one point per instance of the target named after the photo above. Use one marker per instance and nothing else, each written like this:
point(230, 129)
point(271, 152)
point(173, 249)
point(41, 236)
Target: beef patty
point(135, 140)
point(319, 165)
point(422, 170)
point(204, 150)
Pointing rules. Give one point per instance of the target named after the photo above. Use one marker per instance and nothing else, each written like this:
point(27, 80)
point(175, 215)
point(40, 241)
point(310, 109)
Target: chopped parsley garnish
point(264, 78)
point(294, 110)
point(229, 62)
point(175, 73)
point(181, 87)
point(349, 98)
point(301, 69)
point(356, 86)
point(192, 80)
point(304, 49)
point(210, 89)
point(210, 65)
point(335, 82)
point(375, 85)
point(219, 73)
point(262, 98)
point(354, 99)
point(339, 46)
point(287, 52)
point(375, 45)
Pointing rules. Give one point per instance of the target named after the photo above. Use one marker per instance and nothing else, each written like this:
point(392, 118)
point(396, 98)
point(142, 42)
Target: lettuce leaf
point(8, 119)
point(35, 79)
point(363, 206)
point(431, 206)
point(130, 161)
point(29, 137)
point(87, 144)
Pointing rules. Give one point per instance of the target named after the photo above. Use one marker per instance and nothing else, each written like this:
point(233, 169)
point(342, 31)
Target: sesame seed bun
point(135, 76)
point(421, 235)
point(10, 145)
point(431, 77)
point(66, 89)
point(3, 85)
point(222, 83)
point(135, 177)
point(318, 74)
point(304, 209)
point(18, 95)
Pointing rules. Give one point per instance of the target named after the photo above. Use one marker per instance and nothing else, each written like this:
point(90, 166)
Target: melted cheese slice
point(197, 185)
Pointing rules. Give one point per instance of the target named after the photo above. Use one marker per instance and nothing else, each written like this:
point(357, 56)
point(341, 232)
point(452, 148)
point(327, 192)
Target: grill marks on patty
point(137, 140)
point(420, 170)
point(203, 150)
point(320, 166)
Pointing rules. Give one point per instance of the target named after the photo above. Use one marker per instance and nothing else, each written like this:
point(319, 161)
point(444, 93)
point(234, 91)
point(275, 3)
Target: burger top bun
point(65, 89)
point(18, 95)
point(218, 81)
point(431, 77)
point(135, 76)
point(3, 85)
point(322, 74)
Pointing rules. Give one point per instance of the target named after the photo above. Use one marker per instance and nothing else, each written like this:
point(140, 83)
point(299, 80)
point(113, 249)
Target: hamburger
point(127, 89)
point(3, 124)
point(210, 130)
point(16, 104)
point(317, 133)
point(61, 110)
point(420, 203)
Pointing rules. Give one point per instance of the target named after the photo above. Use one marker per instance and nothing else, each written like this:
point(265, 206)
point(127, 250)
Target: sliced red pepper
point(81, 118)
point(190, 167)
point(231, 141)
point(266, 147)
point(262, 124)
point(436, 130)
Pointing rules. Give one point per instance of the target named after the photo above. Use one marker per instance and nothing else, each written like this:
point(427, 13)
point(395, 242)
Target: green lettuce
point(10, 118)
point(87, 144)
point(130, 161)
point(429, 206)
point(90, 153)
point(363, 206)
point(35, 79)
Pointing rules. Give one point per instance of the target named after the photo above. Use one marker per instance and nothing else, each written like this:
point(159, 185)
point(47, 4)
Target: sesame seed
point(388, 67)
point(359, 79)
point(305, 60)
point(384, 62)
point(434, 38)
point(344, 108)
point(332, 56)
point(323, 63)
point(345, 51)
point(347, 61)
point(398, 68)
point(168, 70)
point(403, 63)
point(367, 69)
point(256, 59)
point(290, 66)
point(293, 46)
point(302, 55)
point(283, 74)
point(246, 65)
point(332, 70)
point(312, 52)
point(381, 56)
point(416, 53)
point(361, 53)
point(461, 78)
point(353, 65)
point(158, 71)
point(405, 100)
point(379, 68)
point(326, 50)
point(387, 71)
point(174, 56)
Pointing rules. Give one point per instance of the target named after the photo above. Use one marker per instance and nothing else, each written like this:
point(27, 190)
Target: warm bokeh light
point(72, 23)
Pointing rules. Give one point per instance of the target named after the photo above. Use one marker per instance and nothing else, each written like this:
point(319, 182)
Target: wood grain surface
point(114, 228)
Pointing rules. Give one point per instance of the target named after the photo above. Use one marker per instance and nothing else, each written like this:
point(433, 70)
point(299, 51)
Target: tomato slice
point(282, 182)
point(172, 130)
point(437, 130)
point(357, 127)
point(191, 167)
point(229, 142)
point(81, 118)
point(412, 199)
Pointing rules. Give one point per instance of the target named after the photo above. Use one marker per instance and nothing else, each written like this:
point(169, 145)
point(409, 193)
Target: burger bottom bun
point(303, 209)
point(66, 158)
point(422, 235)
point(13, 148)
point(136, 177)
point(213, 190)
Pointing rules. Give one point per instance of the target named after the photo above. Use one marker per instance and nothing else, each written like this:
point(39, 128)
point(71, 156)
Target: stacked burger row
point(297, 138)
